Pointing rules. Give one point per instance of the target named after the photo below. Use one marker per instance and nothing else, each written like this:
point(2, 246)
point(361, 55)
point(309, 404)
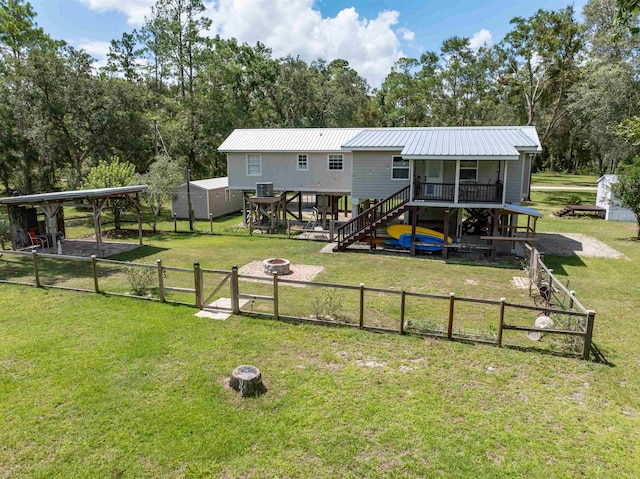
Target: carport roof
point(62, 196)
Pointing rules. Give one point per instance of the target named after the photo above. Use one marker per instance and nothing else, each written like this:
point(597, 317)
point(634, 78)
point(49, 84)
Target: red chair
point(36, 240)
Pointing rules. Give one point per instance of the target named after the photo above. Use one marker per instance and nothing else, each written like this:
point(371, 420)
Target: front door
point(433, 178)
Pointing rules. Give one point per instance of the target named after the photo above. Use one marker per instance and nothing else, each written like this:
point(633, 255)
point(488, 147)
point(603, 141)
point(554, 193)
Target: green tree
point(540, 57)
point(606, 95)
point(162, 179)
point(627, 189)
point(112, 174)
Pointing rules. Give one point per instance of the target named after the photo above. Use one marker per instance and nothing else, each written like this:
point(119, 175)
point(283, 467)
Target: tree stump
point(247, 380)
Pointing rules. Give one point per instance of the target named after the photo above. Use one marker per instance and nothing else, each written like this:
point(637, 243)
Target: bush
point(139, 277)
point(574, 200)
point(5, 234)
point(327, 304)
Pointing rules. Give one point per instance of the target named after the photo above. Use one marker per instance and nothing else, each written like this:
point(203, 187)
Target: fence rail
point(500, 315)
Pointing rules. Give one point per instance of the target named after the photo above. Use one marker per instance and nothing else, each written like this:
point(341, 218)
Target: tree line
point(170, 90)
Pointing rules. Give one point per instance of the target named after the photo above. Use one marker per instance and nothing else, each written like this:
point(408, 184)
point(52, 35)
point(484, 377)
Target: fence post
point(160, 280)
point(36, 271)
point(452, 299)
point(591, 316)
point(571, 296)
point(276, 313)
point(175, 223)
point(210, 223)
point(197, 277)
point(403, 296)
point(361, 323)
point(94, 266)
point(501, 323)
point(235, 300)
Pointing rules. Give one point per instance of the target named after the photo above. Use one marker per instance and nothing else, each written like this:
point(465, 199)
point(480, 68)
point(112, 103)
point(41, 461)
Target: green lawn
point(95, 386)
point(563, 179)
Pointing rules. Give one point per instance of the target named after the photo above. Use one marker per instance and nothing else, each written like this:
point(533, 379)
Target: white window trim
point(298, 162)
point(465, 180)
point(260, 164)
point(407, 168)
point(329, 162)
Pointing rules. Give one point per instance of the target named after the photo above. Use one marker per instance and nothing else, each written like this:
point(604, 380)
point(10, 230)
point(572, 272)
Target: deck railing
point(467, 192)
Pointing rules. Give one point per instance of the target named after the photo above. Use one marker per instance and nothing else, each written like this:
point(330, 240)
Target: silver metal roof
point(522, 210)
point(453, 142)
point(287, 139)
point(211, 183)
point(62, 196)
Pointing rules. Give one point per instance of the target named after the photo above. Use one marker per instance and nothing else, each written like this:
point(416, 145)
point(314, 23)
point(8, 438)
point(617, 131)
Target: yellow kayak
point(395, 231)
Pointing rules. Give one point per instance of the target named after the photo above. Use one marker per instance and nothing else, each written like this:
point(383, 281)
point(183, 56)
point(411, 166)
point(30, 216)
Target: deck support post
point(445, 250)
point(414, 225)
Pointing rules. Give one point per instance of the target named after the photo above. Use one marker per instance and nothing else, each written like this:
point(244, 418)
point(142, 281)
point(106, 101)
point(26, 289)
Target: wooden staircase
point(367, 221)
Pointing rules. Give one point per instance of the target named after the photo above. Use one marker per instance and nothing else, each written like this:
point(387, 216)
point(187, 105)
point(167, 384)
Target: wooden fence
point(578, 322)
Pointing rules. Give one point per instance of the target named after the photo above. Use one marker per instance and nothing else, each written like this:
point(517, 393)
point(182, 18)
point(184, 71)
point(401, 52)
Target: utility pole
point(155, 138)
point(189, 199)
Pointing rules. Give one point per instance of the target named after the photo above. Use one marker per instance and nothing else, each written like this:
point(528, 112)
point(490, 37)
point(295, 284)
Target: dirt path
point(574, 244)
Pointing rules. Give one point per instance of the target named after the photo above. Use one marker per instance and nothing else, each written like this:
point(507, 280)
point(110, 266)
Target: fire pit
point(277, 266)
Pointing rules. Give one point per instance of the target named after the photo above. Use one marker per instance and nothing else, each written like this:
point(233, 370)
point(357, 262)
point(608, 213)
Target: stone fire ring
point(277, 266)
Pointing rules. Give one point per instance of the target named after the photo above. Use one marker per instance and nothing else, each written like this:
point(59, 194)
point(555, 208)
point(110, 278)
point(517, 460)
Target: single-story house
point(209, 198)
point(606, 199)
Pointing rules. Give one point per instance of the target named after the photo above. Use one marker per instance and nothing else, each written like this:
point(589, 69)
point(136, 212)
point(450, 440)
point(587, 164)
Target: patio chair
point(37, 240)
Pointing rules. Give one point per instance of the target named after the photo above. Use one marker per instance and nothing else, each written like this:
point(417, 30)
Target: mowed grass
point(95, 386)
point(563, 179)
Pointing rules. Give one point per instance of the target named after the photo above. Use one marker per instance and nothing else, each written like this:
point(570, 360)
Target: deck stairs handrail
point(365, 222)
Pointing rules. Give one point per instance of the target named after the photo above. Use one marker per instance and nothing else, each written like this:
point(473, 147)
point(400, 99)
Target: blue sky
point(371, 35)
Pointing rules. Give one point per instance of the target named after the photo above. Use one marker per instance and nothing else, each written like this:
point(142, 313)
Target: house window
point(254, 165)
point(227, 195)
point(399, 168)
point(469, 170)
point(303, 163)
point(335, 163)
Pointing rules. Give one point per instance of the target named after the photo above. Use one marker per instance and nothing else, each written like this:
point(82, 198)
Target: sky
point(370, 34)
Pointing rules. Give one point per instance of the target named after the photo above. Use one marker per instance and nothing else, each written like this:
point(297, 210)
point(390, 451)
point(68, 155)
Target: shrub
point(327, 304)
point(139, 277)
point(5, 234)
point(574, 200)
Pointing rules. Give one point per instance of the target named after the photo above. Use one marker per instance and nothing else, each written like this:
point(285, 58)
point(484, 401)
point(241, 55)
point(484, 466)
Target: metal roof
point(505, 142)
point(287, 139)
point(521, 210)
point(211, 183)
point(62, 196)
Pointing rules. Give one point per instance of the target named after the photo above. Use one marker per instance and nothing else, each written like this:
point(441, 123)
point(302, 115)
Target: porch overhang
point(462, 158)
point(521, 210)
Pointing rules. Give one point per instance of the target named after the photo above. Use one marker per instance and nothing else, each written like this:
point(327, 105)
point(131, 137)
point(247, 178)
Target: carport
point(51, 204)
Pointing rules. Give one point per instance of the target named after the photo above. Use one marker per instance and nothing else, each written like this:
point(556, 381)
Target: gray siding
point(281, 170)
point(198, 200)
point(513, 184)
point(372, 175)
point(217, 204)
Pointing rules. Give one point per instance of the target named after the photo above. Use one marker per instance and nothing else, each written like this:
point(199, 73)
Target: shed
point(606, 199)
point(208, 197)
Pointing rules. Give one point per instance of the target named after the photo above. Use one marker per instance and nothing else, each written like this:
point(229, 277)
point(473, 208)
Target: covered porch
point(459, 181)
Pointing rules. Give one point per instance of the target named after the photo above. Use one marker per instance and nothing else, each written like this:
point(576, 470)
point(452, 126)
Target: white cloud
point(406, 34)
point(481, 38)
point(135, 10)
point(371, 46)
point(96, 49)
